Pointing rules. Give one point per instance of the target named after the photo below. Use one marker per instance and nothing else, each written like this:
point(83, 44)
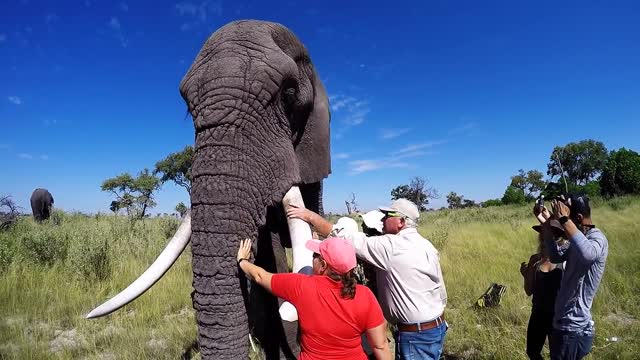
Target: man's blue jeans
point(425, 344)
point(569, 345)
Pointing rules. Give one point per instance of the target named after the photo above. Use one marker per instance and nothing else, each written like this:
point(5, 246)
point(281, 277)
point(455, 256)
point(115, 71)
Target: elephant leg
point(278, 338)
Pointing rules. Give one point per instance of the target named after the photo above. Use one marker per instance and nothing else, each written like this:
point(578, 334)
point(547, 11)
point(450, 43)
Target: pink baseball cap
point(339, 254)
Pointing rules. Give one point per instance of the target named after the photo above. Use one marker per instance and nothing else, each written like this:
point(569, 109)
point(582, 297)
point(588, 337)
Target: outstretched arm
point(322, 226)
point(254, 272)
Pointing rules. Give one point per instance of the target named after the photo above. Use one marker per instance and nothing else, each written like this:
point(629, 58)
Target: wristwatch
point(240, 260)
point(563, 219)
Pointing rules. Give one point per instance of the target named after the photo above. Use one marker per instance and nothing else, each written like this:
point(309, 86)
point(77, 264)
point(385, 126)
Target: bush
point(6, 252)
point(168, 226)
point(621, 174)
point(513, 195)
point(57, 217)
point(89, 258)
point(492, 202)
point(44, 246)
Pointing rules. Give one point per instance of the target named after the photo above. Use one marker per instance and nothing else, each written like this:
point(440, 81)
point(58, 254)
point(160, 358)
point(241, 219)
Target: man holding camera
point(585, 254)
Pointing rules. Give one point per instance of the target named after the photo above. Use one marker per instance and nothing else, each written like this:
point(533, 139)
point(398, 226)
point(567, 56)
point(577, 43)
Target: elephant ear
point(313, 148)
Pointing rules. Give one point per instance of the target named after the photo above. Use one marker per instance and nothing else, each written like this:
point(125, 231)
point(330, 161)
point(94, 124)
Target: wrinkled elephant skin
point(261, 119)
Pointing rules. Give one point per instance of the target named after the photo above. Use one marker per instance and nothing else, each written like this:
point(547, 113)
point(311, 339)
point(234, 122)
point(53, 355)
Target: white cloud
point(4, 146)
point(116, 29)
point(341, 156)
point(25, 156)
point(123, 6)
point(393, 161)
point(348, 110)
point(362, 166)
point(48, 122)
point(415, 147)
point(15, 100)
point(387, 134)
point(44, 157)
point(197, 15)
point(114, 23)
point(3, 38)
point(464, 128)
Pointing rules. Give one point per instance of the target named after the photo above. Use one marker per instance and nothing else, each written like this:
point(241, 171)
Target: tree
point(579, 162)
point(177, 168)
point(513, 195)
point(417, 191)
point(9, 212)
point(454, 200)
point(352, 205)
point(181, 208)
point(530, 182)
point(133, 194)
point(621, 174)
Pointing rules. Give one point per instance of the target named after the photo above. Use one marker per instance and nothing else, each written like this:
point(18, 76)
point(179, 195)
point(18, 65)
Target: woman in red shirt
point(333, 310)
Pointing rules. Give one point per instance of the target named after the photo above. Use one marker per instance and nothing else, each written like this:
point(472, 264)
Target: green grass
point(51, 275)
point(482, 246)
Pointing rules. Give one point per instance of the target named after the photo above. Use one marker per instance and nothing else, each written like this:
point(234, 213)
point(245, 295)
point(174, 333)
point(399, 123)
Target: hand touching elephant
point(261, 119)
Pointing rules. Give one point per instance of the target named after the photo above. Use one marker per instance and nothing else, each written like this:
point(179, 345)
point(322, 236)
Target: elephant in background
point(261, 118)
point(41, 204)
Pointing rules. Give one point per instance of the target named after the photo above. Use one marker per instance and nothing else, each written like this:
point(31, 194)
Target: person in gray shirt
point(585, 255)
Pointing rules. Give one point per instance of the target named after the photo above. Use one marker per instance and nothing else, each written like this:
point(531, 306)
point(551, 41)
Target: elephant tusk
point(159, 267)
point(300, 232)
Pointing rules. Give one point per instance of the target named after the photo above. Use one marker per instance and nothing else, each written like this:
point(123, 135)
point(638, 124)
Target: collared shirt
point(585, 257)
point(410, 284)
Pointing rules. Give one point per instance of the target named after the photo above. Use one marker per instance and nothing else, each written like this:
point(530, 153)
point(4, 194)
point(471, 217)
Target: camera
point(540, 202)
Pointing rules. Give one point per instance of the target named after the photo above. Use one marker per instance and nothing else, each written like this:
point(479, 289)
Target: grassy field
point(51, 275)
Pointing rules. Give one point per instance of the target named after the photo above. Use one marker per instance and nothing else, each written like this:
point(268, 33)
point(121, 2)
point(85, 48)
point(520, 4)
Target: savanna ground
point(51, 275)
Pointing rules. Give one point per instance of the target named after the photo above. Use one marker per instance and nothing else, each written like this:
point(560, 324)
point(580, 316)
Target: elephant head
point(41, 204)
point(261, 122)
point(261, 119)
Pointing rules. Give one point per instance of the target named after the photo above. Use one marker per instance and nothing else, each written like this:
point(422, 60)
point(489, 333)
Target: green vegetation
point(133, 194)
point(51, 275)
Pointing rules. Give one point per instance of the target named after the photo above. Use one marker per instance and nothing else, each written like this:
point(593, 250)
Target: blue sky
point(461, 93)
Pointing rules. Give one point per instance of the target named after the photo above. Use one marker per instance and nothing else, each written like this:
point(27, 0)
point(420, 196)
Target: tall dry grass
point(52, 274)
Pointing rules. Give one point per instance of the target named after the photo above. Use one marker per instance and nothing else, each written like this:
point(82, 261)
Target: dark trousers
point(570, 345)
point(539, 329)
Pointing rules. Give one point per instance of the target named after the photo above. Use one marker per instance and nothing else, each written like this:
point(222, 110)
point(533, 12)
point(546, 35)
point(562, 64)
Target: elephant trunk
point(232, 188)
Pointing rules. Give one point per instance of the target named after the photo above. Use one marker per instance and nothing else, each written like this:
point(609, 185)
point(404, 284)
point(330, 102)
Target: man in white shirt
point(411, 288)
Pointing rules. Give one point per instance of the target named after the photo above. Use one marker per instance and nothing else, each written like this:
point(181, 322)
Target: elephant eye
point(289, 92)
point(289, 95)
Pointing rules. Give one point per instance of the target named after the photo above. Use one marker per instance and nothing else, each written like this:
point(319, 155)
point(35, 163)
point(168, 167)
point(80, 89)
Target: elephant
point(41, 204)
point(261, 118)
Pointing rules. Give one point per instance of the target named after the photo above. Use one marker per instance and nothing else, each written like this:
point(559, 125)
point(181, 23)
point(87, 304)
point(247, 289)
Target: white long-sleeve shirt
point(410, 284)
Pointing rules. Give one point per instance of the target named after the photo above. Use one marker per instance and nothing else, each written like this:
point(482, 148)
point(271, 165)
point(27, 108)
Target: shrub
point(6, 252)
point(168, 226)
point(44, 246)
point(492, 202)
point(513, 195)
point(89, 258)
point(57, 217)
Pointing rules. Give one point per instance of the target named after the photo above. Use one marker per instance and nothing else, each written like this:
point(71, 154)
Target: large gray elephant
point(41, 204)
point(261, 118)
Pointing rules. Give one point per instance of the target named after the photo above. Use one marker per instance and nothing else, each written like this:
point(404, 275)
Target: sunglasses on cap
point(393, 214)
